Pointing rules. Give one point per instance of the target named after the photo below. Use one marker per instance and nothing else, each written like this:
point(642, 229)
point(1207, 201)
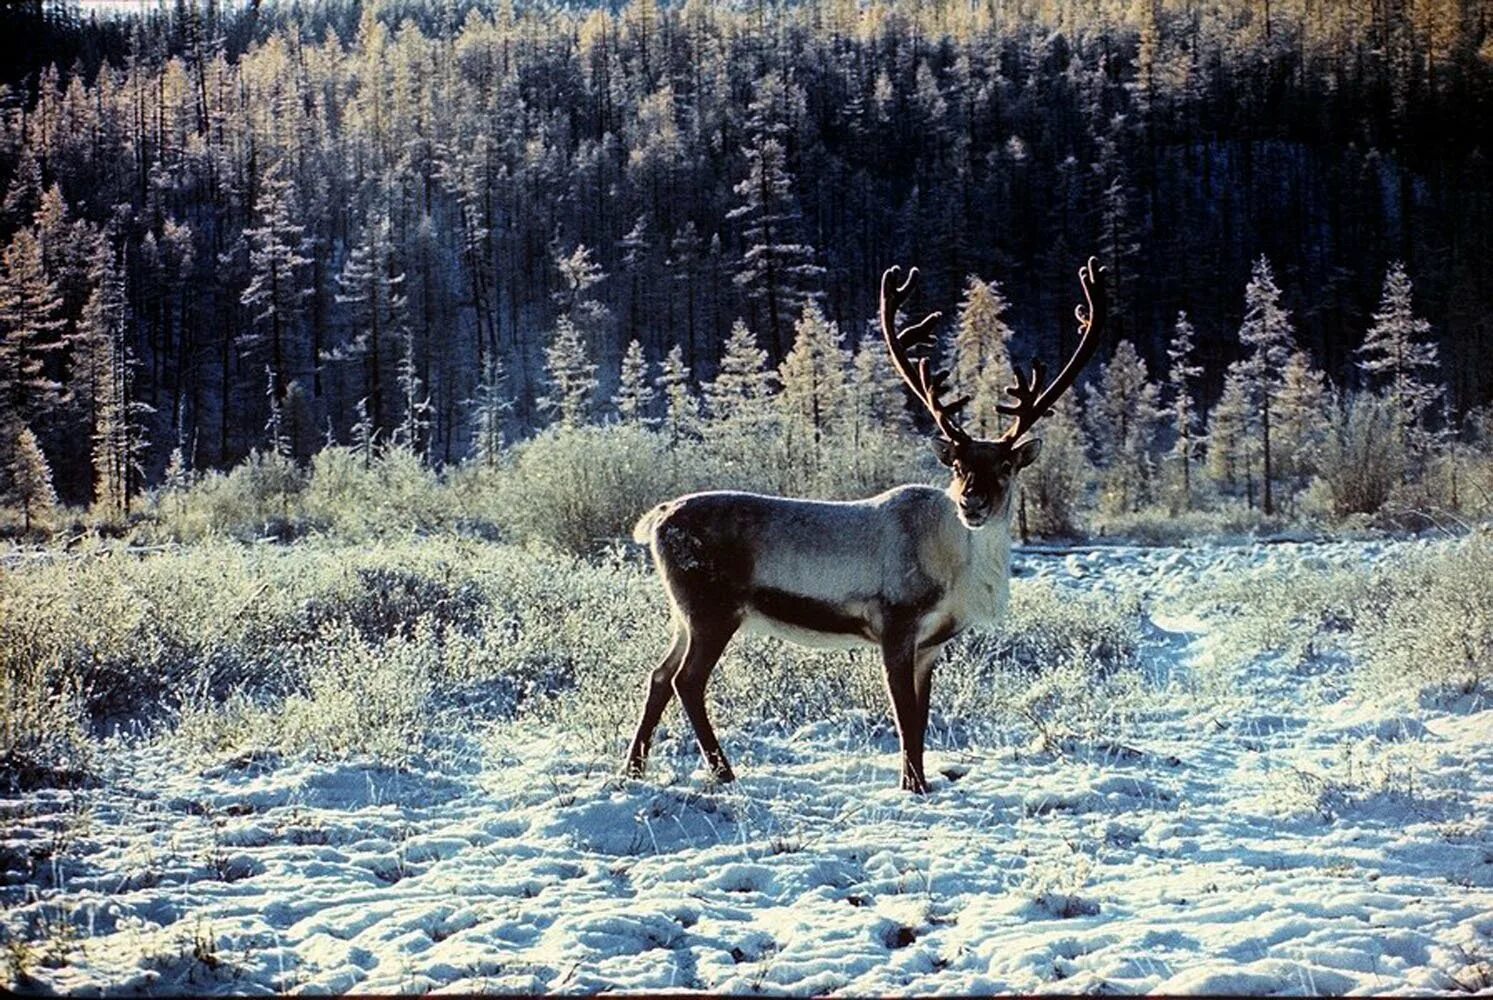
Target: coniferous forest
point(235, 229)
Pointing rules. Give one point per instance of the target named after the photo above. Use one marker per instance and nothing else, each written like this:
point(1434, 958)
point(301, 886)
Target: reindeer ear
point(944, 450)
point(1026, 453)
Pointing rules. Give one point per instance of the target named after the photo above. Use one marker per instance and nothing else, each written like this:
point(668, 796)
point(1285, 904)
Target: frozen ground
point(1288, 840)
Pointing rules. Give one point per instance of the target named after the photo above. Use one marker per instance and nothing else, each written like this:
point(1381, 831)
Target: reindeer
point(906, 570)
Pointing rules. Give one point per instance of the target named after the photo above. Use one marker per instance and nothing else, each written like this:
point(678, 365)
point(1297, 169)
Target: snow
point(1217, 852)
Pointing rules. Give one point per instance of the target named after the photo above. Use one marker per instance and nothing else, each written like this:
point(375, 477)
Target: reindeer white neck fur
point(905, 570)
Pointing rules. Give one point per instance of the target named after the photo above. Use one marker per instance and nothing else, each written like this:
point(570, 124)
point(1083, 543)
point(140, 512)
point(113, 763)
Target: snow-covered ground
point(1298, 841)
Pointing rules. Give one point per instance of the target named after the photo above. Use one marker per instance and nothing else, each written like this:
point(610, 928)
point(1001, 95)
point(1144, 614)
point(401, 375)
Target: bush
point(392, 494)
point(258, 497)
point(1155, 526)
point(1434, 635)
point(1361, 461)
point(578, 489)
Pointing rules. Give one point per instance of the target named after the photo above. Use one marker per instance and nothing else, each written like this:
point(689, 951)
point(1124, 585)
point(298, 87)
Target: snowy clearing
point(1289, 838)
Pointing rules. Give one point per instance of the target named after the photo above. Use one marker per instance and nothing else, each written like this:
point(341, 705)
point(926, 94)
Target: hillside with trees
point(246, 230)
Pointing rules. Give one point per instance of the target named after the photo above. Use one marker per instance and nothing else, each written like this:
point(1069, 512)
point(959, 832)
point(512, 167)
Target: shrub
point(1361, 459)
point(258, 497)
point(392, 494)
point(580, 488)
point(1434, 635)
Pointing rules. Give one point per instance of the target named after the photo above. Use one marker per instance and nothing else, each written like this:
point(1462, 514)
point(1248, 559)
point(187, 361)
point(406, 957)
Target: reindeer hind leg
point(707, 641)
point(659, 692)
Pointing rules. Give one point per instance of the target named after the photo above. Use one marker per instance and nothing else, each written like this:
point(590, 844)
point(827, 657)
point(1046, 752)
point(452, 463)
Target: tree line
point(442, 226)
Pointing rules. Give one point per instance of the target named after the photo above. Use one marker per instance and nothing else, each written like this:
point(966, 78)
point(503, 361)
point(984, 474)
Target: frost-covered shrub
point(1056, 663)
point(579, 488)
point(391, 494)
point(1360, 461)
point(43, 737)
point(1157, 526)
point(259, 496)
point(1296, 615)
point(1434, 634)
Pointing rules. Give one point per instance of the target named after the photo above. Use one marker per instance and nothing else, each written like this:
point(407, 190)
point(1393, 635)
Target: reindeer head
point(984, 470)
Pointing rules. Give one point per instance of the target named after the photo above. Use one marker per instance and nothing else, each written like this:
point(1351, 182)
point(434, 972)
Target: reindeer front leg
point(899, 654)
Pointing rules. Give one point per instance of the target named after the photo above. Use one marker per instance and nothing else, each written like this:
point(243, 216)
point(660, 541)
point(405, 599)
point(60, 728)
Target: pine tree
point(571, 375)
point(681, 405)
point(1268, 339)
point(1400, 361)
point(982, 360)
point(634, 393)
point(1122, 416)
point(1182, 372)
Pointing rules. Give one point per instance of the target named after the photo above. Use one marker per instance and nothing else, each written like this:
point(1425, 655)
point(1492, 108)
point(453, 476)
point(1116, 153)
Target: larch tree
point(1233, 440)
point(490, 405)
point(1268, 339)
point(414, 402)
point(278, 287)
point(1181, 405)
point(1399, 360)
point(739, 403)
point(982, 359)
point(634, 393)
point(1053, 488)
point(27, 480)
point(777, 271)
point(30, 333)
point(571, 375)
point(113, 416)
point(372, 286)
point(1122, 415)
point(681, 405)
point(1301, 422)
point(813, 379)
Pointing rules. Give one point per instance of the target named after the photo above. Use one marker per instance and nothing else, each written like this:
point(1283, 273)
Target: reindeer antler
point(1033, 400)
point(926, 386)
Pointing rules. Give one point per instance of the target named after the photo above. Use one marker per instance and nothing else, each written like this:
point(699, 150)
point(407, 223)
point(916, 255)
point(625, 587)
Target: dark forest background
point(234, 219)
